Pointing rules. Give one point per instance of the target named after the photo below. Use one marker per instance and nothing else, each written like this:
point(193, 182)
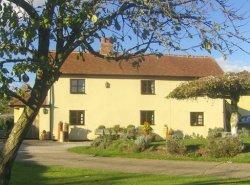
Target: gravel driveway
point(53, 153)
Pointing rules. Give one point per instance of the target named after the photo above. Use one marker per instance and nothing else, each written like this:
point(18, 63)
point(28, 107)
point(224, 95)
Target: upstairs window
point(77, 117)
point(147, 87)
point(77, 86)
point(147, 116)
point(196, 118)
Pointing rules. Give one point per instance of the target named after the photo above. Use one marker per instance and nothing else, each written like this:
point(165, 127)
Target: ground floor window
point(197, 118)
point(77, 117)
point(147, 116)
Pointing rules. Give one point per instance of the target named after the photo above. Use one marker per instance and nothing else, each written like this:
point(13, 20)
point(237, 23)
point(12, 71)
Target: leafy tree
point(28, 32)
point(4, 106)
point(229, 86)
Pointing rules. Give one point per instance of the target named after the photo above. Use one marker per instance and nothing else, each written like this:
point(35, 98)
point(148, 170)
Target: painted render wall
point(244, 105)
point(121, 104)
point(42, 118)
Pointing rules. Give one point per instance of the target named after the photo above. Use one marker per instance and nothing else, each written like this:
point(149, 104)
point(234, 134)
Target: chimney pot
point(106, 46)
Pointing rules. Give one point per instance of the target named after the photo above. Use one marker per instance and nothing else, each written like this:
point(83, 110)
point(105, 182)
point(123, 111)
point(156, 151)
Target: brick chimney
point(106, 46)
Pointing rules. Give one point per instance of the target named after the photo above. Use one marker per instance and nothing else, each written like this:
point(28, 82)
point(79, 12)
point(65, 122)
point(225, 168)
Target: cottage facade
point(93, 92)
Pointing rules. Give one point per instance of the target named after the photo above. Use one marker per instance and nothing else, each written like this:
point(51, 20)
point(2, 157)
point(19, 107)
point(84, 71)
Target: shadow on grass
point(33, 174)
point(246, 147)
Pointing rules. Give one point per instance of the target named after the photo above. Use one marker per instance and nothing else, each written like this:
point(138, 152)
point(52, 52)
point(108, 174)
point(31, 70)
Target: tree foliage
point(4, 106)
point(229, 85)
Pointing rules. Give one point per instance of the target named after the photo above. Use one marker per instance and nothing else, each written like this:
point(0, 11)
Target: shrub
point(186, 136)
point(142, 143)
point(175, 146)
point(108, 136)
point(215, 132)
point(223, 147)
point(155, 137)
point(197, 136)
point(122, 145)
point(147, 129)
point(102, 141)
point(130, 128)
point(244, 132)
point(201, 152)
point(100, 130)
point(117, 129)
point(101, 127)
point(177, 134)
point(114, 132)
point(131, 132)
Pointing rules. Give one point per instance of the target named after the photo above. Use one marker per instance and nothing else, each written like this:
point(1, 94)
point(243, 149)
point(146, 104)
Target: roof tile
point(165, 66)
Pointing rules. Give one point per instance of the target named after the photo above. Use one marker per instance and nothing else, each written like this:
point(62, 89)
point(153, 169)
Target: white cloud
point(232, 65)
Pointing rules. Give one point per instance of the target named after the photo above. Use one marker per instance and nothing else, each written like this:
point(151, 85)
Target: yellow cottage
point(93, 92)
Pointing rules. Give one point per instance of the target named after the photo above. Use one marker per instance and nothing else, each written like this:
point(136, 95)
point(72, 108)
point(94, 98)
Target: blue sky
point(239, 60)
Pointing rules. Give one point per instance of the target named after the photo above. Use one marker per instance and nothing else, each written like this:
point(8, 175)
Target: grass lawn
point(190, 143)
point(30, 174)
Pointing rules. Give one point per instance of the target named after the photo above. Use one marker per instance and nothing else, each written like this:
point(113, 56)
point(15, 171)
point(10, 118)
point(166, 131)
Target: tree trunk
point(234, 119)
point(14, 142)
point(5, 173)
point(234, 123)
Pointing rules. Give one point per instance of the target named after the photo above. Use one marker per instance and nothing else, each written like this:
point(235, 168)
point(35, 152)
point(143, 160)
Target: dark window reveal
point(77, 117)
point(147, 116)
point(77, 86)
point(197, 118)
point(147, 87)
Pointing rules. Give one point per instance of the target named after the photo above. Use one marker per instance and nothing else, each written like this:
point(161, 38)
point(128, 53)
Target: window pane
point(196, 118)
point(81, 86)
point(74, 89)
point(74, 120)
point(76, 117)
point(192, 118)
point(152, 87)
point(151, 118)
point(73, 86)
point(143, 86)
point(147, 87)
point(77, 85)
point(73, 117)
point(147, 116)
point(81, 117)
point(143, 117)
point(74, 83)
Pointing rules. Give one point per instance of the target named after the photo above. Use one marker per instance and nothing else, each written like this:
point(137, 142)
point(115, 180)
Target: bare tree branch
point(16, 96)
point(29, 9)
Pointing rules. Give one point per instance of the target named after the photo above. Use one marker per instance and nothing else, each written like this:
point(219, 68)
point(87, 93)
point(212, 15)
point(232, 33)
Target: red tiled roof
point(165, 66)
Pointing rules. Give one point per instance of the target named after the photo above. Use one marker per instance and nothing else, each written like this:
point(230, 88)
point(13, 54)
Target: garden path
point(53, 153)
